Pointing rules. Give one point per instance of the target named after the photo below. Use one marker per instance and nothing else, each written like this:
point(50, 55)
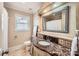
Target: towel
point(74, 46)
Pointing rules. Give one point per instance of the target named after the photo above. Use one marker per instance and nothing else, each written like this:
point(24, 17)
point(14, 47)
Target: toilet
point(27, 45)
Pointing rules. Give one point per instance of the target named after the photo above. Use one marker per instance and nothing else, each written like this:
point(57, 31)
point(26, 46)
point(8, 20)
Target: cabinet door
point(35, 51)
point(38, 52)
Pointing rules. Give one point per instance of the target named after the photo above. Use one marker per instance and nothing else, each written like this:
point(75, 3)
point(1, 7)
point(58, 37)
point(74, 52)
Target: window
point(22, 23)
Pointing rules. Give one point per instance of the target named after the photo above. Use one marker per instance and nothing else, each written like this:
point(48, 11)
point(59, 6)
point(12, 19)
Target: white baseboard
point(16, 47)
point(0, 51)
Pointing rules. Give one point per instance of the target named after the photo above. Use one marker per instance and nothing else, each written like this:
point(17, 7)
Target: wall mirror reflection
point(57, 21)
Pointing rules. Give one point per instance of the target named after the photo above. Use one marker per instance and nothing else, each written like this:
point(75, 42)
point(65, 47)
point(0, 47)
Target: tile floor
point(19, 52)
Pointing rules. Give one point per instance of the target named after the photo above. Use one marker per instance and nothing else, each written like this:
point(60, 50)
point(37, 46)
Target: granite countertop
point(53, 49)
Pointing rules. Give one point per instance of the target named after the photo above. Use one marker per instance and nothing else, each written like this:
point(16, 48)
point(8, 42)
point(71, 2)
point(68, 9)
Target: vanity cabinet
point(62, 46)
point(38, 52)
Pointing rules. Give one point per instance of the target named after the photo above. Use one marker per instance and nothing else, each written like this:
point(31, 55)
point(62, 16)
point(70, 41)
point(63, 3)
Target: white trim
point(16, 47)
point(4, 29)
point(0, 51)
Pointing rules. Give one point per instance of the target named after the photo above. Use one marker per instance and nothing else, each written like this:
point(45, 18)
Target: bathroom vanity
point(55, 26)
point(57, 47)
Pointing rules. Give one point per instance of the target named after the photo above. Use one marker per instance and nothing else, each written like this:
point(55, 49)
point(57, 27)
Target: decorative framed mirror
point(57, 20)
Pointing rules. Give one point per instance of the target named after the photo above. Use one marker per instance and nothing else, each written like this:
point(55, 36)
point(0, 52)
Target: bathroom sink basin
point(44, 43)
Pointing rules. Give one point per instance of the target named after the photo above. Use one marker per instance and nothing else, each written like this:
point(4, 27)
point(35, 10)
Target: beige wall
point(77, 25)
point(72, 23)
point(21, 36)
point(77, 20)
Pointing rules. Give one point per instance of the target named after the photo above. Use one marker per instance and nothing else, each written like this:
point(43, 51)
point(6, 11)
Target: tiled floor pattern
point(19, 52)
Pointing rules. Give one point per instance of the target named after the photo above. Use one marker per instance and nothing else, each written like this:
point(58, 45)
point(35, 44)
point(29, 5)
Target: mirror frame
point(66, 22)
